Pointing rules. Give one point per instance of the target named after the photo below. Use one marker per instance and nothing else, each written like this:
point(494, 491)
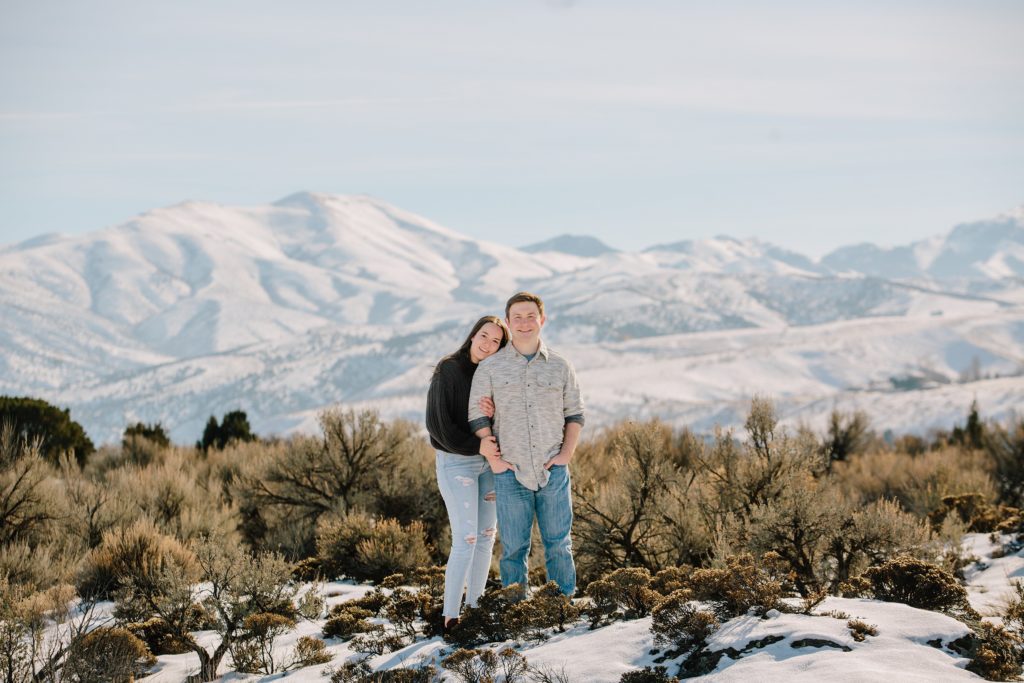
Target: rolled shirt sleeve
point(572, 400)
point(482, 386)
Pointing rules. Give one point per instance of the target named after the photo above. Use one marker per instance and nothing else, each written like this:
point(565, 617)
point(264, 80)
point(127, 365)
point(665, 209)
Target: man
point(537, 421)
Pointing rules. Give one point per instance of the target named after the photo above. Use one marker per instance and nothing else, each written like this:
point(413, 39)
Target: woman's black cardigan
point(448, 406)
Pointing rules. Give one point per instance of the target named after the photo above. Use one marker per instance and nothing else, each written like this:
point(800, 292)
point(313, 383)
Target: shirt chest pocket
point(548, 394)
point(508, 390)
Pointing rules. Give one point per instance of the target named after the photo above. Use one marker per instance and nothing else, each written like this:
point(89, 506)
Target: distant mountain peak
point(308, 199)
point(576, 245)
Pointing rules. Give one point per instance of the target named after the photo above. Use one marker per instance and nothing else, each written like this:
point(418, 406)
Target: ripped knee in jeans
point(491, 496)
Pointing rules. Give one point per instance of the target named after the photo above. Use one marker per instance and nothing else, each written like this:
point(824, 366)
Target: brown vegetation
point(662, 517)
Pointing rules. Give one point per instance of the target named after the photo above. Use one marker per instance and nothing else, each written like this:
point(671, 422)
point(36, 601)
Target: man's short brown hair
point(524, 296)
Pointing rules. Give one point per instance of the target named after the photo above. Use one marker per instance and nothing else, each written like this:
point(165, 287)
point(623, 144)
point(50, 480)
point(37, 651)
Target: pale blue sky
point(806, 124)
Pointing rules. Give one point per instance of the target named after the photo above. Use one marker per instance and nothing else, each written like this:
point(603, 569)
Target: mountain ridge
point(348, 299)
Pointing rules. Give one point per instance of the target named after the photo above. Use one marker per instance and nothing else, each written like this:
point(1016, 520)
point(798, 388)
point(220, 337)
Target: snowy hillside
point(908, 644)
point(283, 309)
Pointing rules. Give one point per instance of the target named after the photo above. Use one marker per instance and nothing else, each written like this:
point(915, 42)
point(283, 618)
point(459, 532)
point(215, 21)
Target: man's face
point(525, 321)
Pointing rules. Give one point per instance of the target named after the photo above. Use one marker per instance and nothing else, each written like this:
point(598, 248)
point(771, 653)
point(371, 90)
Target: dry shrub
point(353, 672)
point(408, 494)
point(337, 538)
point(994, 651)
point(671, 579)
point(176, 496)
point(799, 525)
point(360, 672)
point(230, 584)
point(402, 610)
point(253, 651)
point(743, 584)
point(1004, 446)
point(915, 583)
point(657, 674)
point(513, 665)
point(373, 602)
point(631, 500)
point(34, 626)
point(158, 637)
point(29, 492)
point(107, 655)
point(918, 483)
point(763, 495)
point(547, 608)
point(359, 546)
point(92, 509)
point(870, 535)
point(760, 470)
point(36, 567)
point(378, 641)
point(860, 630)
point(1013, 615)
point(976, 513)
point(679, 624)
point(391, 548)
point(825, 537)
point(16, 637)
point(487, 622)
point(311, 604)
point(481, 666)
point(349, 623)
point(472, 666)
point(623, 594)
point(503, 615)
point(139, 553)
point(309, 651)
point(341, 471)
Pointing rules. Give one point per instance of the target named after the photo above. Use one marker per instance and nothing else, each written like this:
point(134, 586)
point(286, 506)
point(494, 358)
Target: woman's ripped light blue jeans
point(467, 486)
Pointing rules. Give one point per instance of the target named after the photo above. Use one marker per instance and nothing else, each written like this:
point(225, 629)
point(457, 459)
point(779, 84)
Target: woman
point(463, 475)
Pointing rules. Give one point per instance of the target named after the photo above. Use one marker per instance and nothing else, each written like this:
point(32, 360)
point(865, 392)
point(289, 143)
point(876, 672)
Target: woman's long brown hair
point(472, 333)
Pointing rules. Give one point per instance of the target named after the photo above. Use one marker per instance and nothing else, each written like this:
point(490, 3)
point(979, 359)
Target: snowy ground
point(910, 645)
point(990, 581)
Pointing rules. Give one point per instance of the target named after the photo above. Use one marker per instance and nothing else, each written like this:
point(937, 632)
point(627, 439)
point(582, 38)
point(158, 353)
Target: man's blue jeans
point(552, 506)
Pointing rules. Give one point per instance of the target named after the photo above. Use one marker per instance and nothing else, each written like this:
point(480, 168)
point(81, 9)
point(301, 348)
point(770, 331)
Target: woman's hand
point(487, 406)
point(490, 450)
point(489, 447)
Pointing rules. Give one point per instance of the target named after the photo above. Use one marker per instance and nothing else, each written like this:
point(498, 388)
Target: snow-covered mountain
point(575, 245)
point(985, 250)
point(286, 308)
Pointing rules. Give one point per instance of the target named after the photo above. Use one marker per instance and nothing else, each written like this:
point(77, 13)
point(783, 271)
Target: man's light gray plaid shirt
point(533, 401)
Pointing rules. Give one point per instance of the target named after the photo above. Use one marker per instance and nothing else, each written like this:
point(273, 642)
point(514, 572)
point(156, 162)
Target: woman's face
point(485, 342)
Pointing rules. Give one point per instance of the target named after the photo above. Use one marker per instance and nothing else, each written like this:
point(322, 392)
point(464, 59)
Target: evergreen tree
point(233, 427)
point(847, 435)
point(34, 419)
point(971, 435)
point(154, 433)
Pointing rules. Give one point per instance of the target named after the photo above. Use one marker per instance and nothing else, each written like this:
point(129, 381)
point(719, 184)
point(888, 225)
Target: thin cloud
point(39, 116)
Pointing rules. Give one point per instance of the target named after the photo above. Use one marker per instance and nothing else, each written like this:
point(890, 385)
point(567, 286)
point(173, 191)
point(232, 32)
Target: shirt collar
point(542, 350)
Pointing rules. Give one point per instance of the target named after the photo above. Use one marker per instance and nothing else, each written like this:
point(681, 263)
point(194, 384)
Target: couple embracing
point(504, 413)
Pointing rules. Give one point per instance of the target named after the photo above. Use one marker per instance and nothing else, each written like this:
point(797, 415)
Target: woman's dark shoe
point(449, 627)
